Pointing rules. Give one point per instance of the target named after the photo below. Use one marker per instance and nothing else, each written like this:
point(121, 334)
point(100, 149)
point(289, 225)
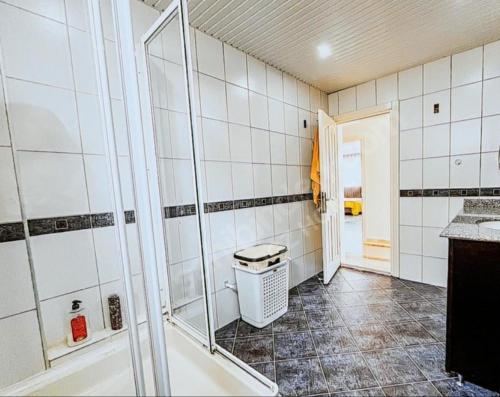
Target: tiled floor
point(361, 335)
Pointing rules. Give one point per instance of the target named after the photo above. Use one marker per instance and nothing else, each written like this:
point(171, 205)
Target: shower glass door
point(174, 169)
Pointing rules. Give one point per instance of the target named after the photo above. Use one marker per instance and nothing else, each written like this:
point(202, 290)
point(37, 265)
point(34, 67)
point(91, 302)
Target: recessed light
point(324, 50)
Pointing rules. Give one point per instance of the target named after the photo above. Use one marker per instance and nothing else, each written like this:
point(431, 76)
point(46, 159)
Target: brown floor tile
point(257, 349)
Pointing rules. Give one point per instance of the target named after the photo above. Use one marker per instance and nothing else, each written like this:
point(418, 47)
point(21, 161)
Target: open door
point(331, 194)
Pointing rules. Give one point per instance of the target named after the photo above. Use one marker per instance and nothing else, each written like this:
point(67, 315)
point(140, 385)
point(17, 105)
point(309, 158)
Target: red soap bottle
point(78, 324)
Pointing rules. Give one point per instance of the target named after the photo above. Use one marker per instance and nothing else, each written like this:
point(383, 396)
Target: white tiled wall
point(254, 144)
point(455, 148)
point(56, 161)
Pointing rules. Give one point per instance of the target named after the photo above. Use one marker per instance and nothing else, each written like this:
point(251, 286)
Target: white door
point(331, 194)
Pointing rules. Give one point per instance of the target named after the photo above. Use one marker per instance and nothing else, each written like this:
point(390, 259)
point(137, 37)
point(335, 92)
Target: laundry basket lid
point(260, 252)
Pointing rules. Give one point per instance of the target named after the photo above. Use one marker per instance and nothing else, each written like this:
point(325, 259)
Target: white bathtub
point(106, 371)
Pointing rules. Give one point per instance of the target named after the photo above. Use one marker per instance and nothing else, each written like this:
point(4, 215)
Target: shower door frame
point(176, 8)
point(122, 19)
point(154, 186)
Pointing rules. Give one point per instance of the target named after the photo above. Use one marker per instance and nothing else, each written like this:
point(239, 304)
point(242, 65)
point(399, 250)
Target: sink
point(495, 225)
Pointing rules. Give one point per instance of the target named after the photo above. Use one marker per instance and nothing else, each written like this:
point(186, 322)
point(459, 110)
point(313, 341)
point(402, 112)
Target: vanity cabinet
point(473, 320)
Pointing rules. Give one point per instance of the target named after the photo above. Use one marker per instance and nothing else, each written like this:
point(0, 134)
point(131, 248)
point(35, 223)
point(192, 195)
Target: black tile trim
point(262, 201)
point(458, 192)
point(464, 192)
point(13, 231)
point(104, 219)
point(245, 203)
point(411, 193)
point(218, 206)
point(280, 199)
point(61, 224)
point(490, 191)
point(294, 198)
point(180, 210)
point(436, 192)
point(129, 216)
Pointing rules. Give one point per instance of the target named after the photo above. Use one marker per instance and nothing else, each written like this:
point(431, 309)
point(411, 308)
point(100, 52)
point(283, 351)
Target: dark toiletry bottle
point(115, 312)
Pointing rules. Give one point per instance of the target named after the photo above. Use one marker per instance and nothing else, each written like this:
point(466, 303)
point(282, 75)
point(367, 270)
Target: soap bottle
point(79, 326)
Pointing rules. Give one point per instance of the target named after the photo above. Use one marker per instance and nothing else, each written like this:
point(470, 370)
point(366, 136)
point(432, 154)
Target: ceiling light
point(324, 50)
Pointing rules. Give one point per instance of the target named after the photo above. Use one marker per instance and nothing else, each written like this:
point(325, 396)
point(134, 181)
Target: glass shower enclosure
point(108, 180)
point(171, 121)
point(174, 170)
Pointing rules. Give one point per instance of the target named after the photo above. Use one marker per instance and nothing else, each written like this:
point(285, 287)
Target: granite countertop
point(466, 225)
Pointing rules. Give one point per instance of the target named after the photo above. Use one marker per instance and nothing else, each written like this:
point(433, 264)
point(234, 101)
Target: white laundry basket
point(262, 294)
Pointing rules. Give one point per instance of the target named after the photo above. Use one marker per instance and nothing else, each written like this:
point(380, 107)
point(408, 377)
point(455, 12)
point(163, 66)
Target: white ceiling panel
point(360, 40)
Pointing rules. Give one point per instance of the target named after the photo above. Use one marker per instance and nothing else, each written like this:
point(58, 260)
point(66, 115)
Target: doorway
point(371, 185)
point(366, 169)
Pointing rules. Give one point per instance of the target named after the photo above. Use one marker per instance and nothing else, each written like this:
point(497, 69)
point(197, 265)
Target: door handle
point(323, 202)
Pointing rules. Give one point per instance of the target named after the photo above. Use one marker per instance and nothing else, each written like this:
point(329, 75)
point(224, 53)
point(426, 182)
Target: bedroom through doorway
point(365, 172)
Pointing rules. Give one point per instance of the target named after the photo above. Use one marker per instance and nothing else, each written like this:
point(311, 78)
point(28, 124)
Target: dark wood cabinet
point(473, 321)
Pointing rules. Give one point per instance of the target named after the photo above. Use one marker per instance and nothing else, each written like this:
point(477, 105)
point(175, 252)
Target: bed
point(353, 201)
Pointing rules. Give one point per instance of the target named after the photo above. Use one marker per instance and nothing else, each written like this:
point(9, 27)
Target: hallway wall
point(374, 133)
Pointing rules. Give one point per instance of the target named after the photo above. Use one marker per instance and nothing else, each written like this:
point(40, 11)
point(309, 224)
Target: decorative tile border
point(280, 199)
point(13, 231)
point(436, 192)
point(411, 193)
point(460, 192)
point(180, 210)
point(241, 204)
point(102, 220)
point(219, 206)
point(129, 216)
point(490, 191)
point(61, 224)
point(464, 192)
point(262, 201)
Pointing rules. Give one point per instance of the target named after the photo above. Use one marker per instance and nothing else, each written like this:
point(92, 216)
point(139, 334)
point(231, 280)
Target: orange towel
point(315, 178)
